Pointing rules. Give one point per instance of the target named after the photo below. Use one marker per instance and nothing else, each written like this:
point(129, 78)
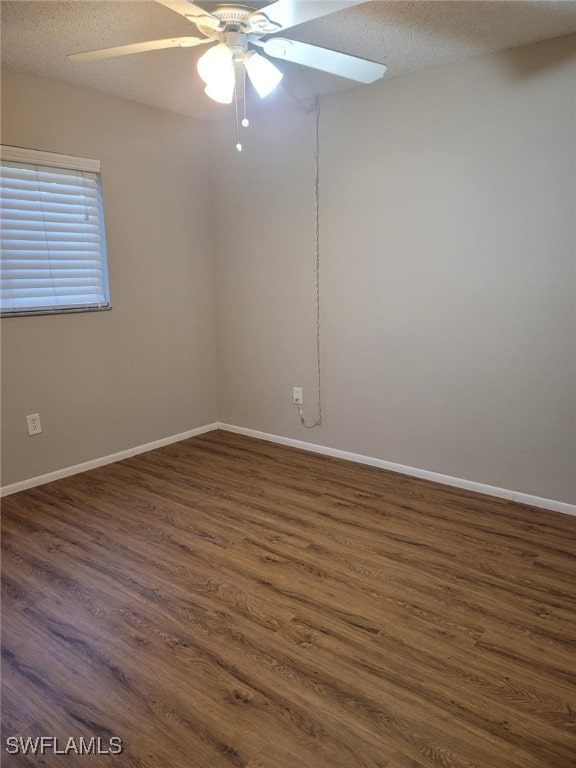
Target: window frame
point(14, 154)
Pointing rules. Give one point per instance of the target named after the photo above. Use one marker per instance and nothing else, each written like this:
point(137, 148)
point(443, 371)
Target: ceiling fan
point(242, 33)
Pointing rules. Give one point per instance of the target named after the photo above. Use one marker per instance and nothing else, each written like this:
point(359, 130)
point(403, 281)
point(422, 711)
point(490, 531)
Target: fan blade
point(150, 45)
point(289, 13)
point(352, 67)
point(193, 13)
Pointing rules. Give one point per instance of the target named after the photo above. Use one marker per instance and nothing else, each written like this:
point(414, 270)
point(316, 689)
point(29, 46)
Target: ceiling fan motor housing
point(236, 30)
point(232, 14)
point(238, 18)
point(236, 41)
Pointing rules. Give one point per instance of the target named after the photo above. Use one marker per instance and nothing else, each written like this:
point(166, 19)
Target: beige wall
point(448, 286)
point(448, 282)
point(108, 381)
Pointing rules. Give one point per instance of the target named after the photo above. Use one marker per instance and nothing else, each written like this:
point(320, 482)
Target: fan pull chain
point(245, 121)
point(238, 143)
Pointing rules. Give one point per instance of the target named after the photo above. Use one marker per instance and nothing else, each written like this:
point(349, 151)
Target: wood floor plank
point(228, 602)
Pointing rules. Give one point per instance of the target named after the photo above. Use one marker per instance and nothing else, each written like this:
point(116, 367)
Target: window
point(53, 244)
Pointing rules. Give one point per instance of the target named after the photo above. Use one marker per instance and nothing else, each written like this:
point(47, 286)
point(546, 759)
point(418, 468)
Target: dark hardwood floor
point(225, 602)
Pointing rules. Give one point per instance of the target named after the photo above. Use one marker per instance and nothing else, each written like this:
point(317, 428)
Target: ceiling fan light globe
point(263, 75)
point(220, 90)
point(217, 61)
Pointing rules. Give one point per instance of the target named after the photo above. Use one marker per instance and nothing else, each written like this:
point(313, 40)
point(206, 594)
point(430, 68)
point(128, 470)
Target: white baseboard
point(551, 504)
point(424, 474)
point(469, 485)
point(86, 465)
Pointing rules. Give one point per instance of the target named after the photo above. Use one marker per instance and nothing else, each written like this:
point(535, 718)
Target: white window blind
point(53, 245)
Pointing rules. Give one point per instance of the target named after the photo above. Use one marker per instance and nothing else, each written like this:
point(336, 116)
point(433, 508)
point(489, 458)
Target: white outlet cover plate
point(34, 426)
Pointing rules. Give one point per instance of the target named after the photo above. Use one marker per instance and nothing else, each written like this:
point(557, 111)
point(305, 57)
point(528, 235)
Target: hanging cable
point(318, 420)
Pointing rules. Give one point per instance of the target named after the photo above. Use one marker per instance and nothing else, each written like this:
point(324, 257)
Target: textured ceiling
point(406, 36)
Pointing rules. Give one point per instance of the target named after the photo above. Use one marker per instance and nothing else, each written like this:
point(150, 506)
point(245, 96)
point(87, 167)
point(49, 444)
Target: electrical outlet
point(297, 395)
point(34, 426)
